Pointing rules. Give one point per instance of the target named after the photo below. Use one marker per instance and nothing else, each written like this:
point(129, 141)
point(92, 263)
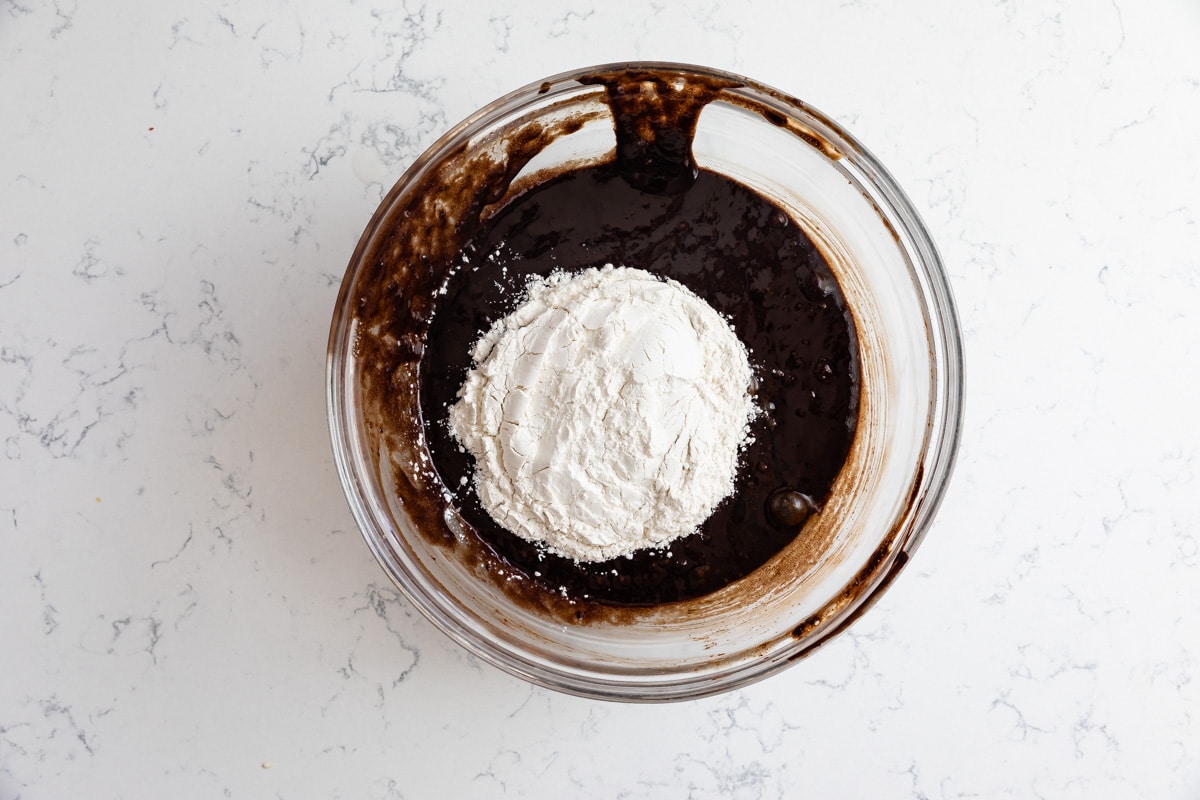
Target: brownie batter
point(754, 265)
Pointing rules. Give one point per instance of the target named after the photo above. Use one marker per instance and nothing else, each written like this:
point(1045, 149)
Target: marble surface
point(188, 609)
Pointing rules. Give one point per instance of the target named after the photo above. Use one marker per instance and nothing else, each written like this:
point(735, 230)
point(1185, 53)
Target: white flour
point(606, 413)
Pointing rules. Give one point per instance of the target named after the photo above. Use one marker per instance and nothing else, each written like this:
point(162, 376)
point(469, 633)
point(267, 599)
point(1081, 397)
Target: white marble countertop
point(188, 608)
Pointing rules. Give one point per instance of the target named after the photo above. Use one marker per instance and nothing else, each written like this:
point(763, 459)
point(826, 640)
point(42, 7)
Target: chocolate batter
point(745, 257)
point(654, 209)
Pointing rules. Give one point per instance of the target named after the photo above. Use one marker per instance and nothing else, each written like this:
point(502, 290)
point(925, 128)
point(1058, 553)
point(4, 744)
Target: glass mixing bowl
point(882, 502)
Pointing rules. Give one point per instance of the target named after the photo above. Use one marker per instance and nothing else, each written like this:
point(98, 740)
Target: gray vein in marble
point(726, 777)
point(501, 28)
point(178, 36)
point(224, 20)
point(1020, 727)
point(391, 73)
point(15, 9)
point(1086, 728)
point(916, 792)
point(330, 146)
point(61, 721)
point(65, 18)
point(49, 612)
point(570, 22)
point(191, 533)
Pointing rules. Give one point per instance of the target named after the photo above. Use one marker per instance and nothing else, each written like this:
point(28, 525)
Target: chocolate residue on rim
point(655, 119)
point(415, 251)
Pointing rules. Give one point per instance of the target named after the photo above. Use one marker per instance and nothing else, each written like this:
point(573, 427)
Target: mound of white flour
point(606, 413)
